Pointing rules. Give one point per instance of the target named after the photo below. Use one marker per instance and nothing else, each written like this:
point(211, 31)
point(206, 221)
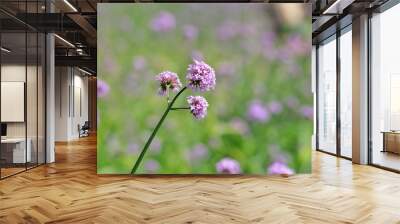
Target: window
point(346, 92)
point(327, 95)
point(385, 89)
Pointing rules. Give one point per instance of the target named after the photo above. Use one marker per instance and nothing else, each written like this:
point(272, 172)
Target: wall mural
point(204, 89)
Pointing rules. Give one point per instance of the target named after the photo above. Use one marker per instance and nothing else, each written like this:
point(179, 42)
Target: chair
point(84, 130)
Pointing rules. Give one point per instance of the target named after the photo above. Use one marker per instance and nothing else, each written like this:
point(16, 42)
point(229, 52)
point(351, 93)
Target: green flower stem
point(180, 108)
point(146, 146)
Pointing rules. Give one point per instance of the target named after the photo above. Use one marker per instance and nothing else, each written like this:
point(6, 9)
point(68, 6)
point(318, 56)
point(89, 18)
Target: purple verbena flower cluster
point(139, 63)
point(275, 107)
point(190, 32)
point(163, 22)
point(198, 152)
point(226, 68)
point(307, 112)
point(151, 166)
point(102, 88)
point(201, 76)
point(168, 80)
point(198, 106)
point(258, 112)
point(279, 168)
point(228, 166)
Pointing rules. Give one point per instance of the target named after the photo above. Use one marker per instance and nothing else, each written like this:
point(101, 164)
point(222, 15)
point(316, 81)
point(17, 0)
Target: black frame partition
point(335, 36)
point(26, 53)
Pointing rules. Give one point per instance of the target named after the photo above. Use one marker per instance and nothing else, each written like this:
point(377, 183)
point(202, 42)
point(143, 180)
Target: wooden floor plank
point(70, 191)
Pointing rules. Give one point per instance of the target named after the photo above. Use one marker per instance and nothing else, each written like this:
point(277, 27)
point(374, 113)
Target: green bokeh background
point(129, 112)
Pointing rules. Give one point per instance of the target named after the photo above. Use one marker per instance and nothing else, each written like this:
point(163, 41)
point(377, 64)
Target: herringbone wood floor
point(69, 191)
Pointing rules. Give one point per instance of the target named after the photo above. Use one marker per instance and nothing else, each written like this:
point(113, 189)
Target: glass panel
point(31, 86)
point(31, 100)
point(41, 99)
point(327, 96)
point(346, 94)
point(23, 90)
point(13, 89)
point(385, 84)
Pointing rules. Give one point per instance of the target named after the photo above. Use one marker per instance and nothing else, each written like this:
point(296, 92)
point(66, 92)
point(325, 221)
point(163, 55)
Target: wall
point(17, 73)
point(71, 102)
point(33, 127)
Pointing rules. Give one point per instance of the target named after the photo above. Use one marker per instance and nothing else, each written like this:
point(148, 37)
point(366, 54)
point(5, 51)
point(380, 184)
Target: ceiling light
point(65, 41)
point(70, 5)
point(84, 71)
point(5, 50)
point(337, 7)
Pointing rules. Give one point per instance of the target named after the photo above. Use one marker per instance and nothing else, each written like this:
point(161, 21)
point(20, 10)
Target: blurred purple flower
point(132, 84)
point(240, 125)
point(247, 29)
point(283, 54)
point(132, 148)
point(155, 145)
point(168, 80)
point(275, 107)
point(163, 22)
point(198, 106)
point(139, 63)
point(293, 69)
point(201, 76)
point(307, 111)
point(190, 32)
point(197, 56)
point(292, 102)
point(258, 112)
point(110, 64)
point(228, 166)
point(227, 30)
point(151, 121)
point(268, 40)
point(279, 168)
point(198, 152)
point(102, 88)
point(151, 166)
point(113, 145)
point(226, 68)
point(273, 149)
point(125, 24)
point(270, 54)
point(297, 45)
point(214, 142)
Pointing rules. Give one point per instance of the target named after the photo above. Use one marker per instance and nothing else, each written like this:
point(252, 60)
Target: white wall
point(71, 94)
point(61, 103)
point(33, 126)
point(12, 73)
